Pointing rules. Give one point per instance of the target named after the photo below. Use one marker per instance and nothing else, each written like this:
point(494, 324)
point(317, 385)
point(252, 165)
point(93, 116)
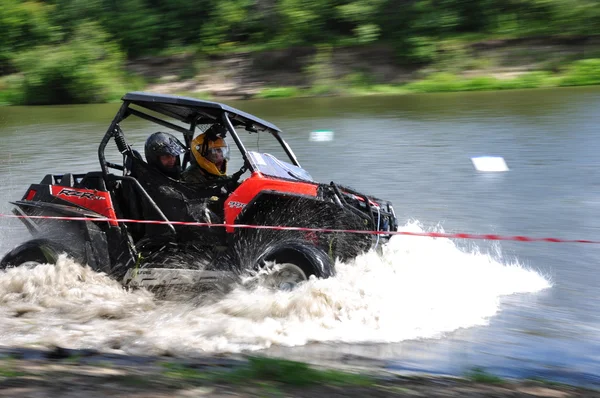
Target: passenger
point(162, 152)
point(210, 156)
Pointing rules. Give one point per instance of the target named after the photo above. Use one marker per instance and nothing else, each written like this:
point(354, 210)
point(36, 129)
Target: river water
point(435, 305)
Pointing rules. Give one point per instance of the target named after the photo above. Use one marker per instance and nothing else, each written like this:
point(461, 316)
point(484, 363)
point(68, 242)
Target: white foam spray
point(418, 288)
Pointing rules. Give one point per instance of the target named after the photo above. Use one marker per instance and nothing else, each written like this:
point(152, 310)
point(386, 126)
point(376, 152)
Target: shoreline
point(307, 72)
point(442, 82)
point(486, 65)
point(281, 93)
point(62, 372)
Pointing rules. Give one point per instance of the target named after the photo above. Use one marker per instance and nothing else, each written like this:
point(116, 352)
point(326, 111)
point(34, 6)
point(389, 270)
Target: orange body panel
point(97, 201)
point(257, 183)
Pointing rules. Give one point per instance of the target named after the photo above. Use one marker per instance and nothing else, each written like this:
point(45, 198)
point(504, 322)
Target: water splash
point(417, 288)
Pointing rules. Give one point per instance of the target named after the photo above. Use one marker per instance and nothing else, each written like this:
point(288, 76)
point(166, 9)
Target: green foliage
point(131, 82)
point(367, 33)
point(320, 71)
point(11, 89)
point(479, 83)
point(292, 373)
point(260, 370)
point(420, 49)
point(143, 27)
point(582, 72)
point(320, 90)
point(435, 19)
point(226, 24)
point(362, 15)
point(83, 70)
point(437, 82)
point(387, 89)
point(530, 80)
point(177, 371)
point(66, 15)
point(135, 26)
point(22, 25)
point(7, 369)
point(54, 53)
point(445, 82)
point(479, 375)
point(357, 80)
point(453, 56)
point(302, 21)
point(279, 92)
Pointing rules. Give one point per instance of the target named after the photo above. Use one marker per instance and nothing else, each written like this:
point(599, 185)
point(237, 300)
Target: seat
point(177, 201)
point(67, 180)
point(92, 180)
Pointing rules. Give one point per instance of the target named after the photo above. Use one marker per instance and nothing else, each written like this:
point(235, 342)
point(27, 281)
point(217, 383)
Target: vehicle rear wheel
point(33, 253)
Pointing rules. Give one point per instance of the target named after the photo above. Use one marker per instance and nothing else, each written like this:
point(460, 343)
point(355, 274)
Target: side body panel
point(257, 183)
point(97, 201)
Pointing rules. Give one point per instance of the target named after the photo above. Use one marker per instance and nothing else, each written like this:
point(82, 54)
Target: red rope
point(284, 228)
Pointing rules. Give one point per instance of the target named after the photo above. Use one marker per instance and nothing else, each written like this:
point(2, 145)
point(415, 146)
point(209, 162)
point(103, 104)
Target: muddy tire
point(284, 276)
point(292, 262)
point(33, 252)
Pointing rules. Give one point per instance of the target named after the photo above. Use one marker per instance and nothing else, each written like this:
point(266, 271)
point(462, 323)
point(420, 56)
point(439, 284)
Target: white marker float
point(489, 164)
point(321, 135)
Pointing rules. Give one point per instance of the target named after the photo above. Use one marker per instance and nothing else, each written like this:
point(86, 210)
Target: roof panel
point(186, 108)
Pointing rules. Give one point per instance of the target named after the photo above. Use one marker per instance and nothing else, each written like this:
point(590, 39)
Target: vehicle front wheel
point(284, 265)
point(284, 276)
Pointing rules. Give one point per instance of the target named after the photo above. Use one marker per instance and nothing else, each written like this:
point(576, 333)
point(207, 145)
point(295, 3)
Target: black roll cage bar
point(114, 131)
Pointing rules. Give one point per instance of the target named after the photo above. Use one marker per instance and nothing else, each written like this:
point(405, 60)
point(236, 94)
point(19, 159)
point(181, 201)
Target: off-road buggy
point(275, 193)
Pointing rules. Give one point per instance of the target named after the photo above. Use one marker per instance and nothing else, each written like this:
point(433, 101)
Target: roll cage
point(193, 113)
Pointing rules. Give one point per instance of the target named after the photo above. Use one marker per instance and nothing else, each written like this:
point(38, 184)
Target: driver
point(162, 152)
point(210, 156)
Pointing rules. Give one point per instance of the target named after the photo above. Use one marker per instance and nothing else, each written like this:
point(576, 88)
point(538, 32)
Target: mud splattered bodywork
point(276, 193)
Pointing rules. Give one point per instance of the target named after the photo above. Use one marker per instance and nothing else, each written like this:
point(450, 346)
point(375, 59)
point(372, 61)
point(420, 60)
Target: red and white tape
point(328, 230)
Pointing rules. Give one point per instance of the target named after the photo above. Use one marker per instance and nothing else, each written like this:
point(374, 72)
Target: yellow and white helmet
point(211, 154)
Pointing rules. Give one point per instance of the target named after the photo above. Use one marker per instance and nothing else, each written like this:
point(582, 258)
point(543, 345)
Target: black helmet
point(159, 144)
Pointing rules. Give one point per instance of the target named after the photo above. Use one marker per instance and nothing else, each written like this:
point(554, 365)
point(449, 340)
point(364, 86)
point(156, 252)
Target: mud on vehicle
point(276, 193)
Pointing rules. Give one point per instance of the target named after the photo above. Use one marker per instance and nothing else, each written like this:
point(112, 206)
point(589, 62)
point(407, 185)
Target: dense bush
point(88, 68)
point(72, 50)
point(279, 92)
point(22, 26)
point(582, 72)
point(413, 26)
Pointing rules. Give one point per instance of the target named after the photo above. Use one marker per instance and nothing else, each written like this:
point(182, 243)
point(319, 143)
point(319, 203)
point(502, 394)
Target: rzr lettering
point(79, 194)
point(236, 205)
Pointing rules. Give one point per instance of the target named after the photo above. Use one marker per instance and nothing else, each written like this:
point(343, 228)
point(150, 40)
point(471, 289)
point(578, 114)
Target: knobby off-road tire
point(289, 263)
point(284, 276)
point(33, 252)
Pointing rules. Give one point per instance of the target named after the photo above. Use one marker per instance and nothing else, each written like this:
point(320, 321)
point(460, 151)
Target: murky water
point(74, 307)
point(425, 304)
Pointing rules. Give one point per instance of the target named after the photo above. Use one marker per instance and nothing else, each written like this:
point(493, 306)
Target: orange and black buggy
point(275, 192)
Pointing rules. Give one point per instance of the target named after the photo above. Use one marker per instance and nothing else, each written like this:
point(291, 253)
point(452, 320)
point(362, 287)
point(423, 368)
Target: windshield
point(269, 165)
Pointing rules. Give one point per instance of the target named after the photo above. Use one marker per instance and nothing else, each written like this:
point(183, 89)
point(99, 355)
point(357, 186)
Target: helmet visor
point(218, 154)
point(170, 147)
